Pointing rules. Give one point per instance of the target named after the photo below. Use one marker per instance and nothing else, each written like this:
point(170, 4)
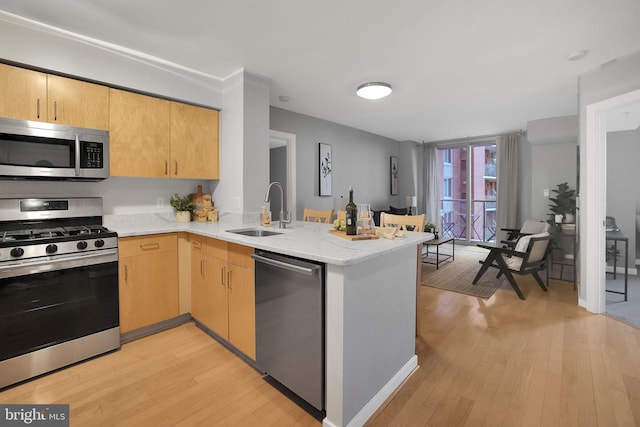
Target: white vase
point(183, 216)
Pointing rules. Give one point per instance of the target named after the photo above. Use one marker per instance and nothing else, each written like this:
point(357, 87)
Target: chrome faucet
point(283, 211)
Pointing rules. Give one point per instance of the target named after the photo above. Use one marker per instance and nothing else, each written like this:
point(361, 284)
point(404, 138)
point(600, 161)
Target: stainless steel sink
point(254, 232)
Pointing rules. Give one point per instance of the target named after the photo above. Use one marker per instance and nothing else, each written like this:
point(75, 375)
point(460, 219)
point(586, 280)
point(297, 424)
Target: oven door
point(56, 301)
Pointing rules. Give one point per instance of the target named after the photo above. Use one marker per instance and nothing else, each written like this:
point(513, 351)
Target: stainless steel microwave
point(44, 151)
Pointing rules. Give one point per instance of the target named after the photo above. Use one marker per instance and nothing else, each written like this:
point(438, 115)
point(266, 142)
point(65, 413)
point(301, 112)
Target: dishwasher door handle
point(274, 262)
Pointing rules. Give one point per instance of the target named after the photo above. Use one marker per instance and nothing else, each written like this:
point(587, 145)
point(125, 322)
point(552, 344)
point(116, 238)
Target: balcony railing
point(490, 170)
point(479, 227)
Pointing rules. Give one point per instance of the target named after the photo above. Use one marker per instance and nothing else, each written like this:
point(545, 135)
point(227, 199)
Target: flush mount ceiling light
point(576, 55)
point(374, 90)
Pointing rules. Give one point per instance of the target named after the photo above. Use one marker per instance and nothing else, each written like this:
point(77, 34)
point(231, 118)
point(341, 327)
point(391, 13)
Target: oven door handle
point(77, 162)
point(60, 262)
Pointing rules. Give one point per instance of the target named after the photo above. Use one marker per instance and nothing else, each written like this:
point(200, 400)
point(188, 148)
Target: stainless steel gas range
point(58, 285)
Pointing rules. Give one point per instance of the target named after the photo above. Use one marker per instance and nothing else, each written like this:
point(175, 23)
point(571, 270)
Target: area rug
point(457, 275)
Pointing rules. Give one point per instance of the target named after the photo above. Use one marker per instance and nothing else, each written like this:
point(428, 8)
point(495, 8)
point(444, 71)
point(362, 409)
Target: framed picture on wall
point(324, 168)
point(393, 171)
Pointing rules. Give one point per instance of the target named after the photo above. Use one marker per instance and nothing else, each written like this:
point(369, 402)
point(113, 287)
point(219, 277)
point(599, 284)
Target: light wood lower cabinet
point(223, 293)
point(148, 279)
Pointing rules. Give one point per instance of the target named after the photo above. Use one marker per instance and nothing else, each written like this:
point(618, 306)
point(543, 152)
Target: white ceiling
point(458, 68)
point(624, 118)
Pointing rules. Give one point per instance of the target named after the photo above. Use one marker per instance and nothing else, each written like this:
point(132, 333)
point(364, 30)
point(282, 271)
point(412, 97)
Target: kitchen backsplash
point(121, 195)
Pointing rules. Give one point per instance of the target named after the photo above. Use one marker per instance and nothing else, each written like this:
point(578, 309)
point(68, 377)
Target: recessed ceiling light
point(577, 54)
point(374, 90)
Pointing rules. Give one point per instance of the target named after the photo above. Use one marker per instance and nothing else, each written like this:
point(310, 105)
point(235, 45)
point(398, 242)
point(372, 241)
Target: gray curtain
point(507, 147)
point(431, 187)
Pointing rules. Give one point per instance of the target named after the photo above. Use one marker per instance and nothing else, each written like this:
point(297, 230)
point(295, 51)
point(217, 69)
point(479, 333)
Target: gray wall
point(623, 193)
point(360, 159)
point(551, 164)
point(277, 172)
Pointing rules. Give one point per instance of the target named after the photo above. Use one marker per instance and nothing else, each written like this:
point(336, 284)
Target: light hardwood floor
point(506, 362)
point(179, 377)
point(496, 362)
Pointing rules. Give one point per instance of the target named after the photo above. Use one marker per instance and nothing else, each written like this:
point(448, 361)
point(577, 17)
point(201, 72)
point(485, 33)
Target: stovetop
point(41, 229)
point(33, 234)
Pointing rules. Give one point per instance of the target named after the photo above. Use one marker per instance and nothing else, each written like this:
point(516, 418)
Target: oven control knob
point(51, 249)
point(99, 243)
point(81, 245)
point(17, 252)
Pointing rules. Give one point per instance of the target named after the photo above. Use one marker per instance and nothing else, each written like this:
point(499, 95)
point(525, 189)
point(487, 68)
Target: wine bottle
point(351, 215)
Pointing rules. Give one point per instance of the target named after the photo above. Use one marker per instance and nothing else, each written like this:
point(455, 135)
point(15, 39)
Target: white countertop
point(301, 239)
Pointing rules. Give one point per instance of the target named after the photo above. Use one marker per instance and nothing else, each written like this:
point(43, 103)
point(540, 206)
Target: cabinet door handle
point(166, 167)
point(202, 267)
point(229, 279)
point(197, 244)
point(38, 108)
point(149, 246)
point(175, 163)
point(55, 111)
point(222, 276)
point(126, 273)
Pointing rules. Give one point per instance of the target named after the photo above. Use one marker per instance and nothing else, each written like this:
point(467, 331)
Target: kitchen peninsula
point(370, 304)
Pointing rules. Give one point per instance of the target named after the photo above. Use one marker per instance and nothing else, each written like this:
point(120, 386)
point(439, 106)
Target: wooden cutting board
point(343, 234)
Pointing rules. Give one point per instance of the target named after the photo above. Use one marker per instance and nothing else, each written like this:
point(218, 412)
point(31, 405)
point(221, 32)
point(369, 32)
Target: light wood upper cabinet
point(149, 137)
point(152, 137)
point(23, 93)
point(148, 280)
point(31, 95)
point(194, 142)
point(139, 133)
point(76, 103)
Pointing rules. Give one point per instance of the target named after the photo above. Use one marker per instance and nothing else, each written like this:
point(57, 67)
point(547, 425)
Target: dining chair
point(313, 215)
point(342, 214)
point(404, 222)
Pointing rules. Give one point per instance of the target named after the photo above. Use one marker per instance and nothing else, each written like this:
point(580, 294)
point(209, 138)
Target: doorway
point(593, 203)
point(282, 168)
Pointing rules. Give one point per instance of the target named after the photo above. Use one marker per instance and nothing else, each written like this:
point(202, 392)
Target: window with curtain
point(468, 183)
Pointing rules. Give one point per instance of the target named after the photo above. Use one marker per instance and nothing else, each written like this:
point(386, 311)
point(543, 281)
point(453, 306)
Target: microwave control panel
point(91, 155)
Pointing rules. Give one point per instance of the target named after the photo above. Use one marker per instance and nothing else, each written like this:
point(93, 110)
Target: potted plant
point(563, 204)
point(430, 227)
point(183, 206)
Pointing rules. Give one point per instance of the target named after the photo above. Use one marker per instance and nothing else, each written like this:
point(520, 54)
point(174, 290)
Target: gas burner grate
point(80, 230)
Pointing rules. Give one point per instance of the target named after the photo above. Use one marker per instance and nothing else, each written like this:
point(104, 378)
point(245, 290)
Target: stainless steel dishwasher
point(290, 323)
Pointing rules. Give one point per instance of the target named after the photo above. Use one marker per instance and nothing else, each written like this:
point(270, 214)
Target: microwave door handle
point(77, 162)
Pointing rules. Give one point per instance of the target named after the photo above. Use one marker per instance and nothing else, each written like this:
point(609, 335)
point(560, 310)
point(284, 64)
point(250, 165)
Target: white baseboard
point(381, 396)
point(620, 270)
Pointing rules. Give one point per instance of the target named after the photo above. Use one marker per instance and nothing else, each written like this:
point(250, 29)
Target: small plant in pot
point(564, 203)
point(431, 228)
point(183, 206)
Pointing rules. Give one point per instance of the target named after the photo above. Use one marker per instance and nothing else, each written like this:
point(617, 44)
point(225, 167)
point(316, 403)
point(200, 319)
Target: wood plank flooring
point(507, 362)
point(179, 377)
point(495, 362)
